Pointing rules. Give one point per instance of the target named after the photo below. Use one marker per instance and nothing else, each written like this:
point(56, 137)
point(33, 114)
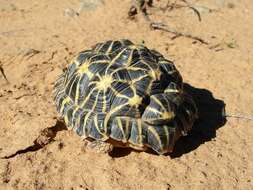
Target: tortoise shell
point(126, 94)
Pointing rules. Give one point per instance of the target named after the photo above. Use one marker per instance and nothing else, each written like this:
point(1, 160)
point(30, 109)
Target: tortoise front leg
point(98, 146)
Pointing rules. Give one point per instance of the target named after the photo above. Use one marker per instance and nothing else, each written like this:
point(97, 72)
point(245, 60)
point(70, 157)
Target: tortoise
point(124, 94)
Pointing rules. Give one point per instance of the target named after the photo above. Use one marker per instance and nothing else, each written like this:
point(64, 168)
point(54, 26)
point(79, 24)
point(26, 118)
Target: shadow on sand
point(210, 119)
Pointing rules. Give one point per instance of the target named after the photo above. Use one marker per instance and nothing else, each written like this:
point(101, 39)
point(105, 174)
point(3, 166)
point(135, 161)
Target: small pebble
point(70, 12)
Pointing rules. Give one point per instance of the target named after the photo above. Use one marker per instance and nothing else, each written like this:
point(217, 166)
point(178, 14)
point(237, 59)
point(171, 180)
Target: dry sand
point(216, 155)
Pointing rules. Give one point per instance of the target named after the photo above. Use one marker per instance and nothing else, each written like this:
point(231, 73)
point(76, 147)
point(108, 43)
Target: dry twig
point(31, 52)
point(174, 5)
point(3, 73)
point(239, 116)
point(163, 27)
point(141, 6)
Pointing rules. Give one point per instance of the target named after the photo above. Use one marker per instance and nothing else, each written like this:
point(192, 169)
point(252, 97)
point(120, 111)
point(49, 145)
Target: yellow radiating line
point(97, 127)
point(99, 77)
point(65, 101)
point(66, 121)
point(85, 70)
point(100, 61)
point(116, 70)
point(153, 131)
point(133, 68)
point(93, 82)
point(122, 43)
point(95, 103)
point(171, 91)
point(89, 60)
point(118, 94)
point(114, 59)
point(74, 61)
point(133, 89)
point(84, 123)
point(110, 48)
point(127, 113)
point(108, 115)
point(166, 133)
point(104, 102)
point(140, 131)
point(107, 61)
point(129, 58)
point(70, 81)
point(117, 109)
point(144, 61)
point(122, 96)
point(140, 78)
point(119, 80)
point(153, 110)
point(158, 102)
point(167, 102)
point(96, 82)
point(150, 86)
point(99, 47)
point(65, 79)
point(70, 89)
point(96, 122)
point(167, 63)
point(57, 89)
point(139, 144)
point(60, 79)
point(59, 92)
point(133, 46)
point(88, 97)
point(121, 128)
point(172, 72)
point(79, 119)
point(77, 91)
point(74, 112)
point(152, 71)
point(127, 120)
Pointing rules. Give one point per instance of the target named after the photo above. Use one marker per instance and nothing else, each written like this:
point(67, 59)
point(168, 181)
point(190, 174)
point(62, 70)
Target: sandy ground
point(37, 40)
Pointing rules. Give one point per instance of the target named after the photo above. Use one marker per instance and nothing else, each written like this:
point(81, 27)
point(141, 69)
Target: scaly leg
point(99, 146)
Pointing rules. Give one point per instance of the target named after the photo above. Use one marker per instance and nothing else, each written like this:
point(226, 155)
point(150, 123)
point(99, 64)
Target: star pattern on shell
point(125, 93)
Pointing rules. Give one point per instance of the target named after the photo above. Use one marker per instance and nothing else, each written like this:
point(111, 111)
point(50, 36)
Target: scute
point(125, 92)
point(83, 56)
